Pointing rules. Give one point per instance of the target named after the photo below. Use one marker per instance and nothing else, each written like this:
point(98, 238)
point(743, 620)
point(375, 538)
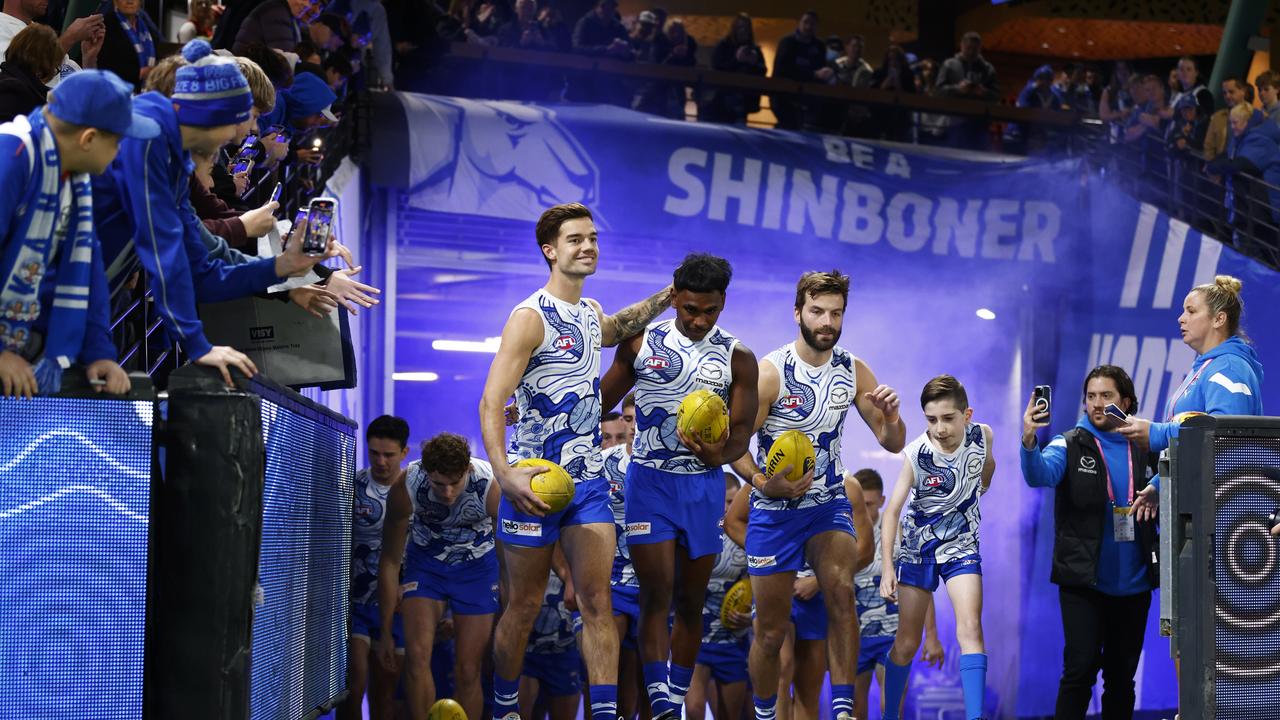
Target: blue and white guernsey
point(815, 401)
point(730, 567)
point(369, 512)
point(451, 534)
point(555, 627)
point(668, 367)
point(616, 461)
point(559, 394)
point(941, 521)
point(877, 617)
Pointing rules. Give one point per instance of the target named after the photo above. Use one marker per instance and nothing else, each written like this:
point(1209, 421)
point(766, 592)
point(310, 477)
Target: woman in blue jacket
point(1225, 378)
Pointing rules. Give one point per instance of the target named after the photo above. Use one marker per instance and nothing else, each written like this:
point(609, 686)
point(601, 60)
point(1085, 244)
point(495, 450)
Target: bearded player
point(675, 484)
point(549, 356)
point(809, 385)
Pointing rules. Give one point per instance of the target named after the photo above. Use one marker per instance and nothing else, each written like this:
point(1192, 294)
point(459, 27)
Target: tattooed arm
point(631, 319)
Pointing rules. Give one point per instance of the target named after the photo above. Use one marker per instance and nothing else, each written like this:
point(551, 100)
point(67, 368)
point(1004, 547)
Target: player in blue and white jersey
point(624, 586)
point(675, 484)
point(549, 357)
point(723, 655)
point(552, 663)
point(945, 471)
point(810, 385)
point(878, 617)
point(445, 509)
point(386, 443)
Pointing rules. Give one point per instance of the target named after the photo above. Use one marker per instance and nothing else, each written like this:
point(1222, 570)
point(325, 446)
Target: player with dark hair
point(809, 385)
point(446, 505)
point(386, 443)
point(549, 357)
point(675, 485)
point(946, 468)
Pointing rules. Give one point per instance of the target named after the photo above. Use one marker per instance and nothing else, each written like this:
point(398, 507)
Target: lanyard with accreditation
point(1121, 517)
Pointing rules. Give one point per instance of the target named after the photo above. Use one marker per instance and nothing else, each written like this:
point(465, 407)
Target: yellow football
point(791, 448)
point(736, 599)
point(447, 709)
point(703, 415)
point(554, 486)
point(1185, 416)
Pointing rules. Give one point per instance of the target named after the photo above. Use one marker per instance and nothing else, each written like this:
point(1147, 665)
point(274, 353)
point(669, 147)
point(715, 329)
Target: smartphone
point(275, 194)
point(297, 220)
point(320, 212)
point(1043, 398)
point(246, 156)
point(1114, 411)
point(280, 131)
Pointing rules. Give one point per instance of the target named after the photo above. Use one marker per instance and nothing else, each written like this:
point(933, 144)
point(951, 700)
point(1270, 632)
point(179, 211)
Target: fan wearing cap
point(143, 211)
point(54, 304)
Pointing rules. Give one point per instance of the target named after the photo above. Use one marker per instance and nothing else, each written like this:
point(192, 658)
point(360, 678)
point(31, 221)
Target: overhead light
point(420, 376)
point(488, 345)
point(986, 314)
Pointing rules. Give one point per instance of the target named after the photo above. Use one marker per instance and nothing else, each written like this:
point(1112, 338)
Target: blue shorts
point(809, 617)
point(468, 588)
point(873, 651)
point(776, 538)
point(559, 674)
point(590, 504)
point(728, 661)
point(626, 601)
point(366, 622)
point(664, 506)
point(926, 576)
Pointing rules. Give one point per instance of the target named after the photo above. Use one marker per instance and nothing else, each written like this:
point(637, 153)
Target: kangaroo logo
point(498, 159)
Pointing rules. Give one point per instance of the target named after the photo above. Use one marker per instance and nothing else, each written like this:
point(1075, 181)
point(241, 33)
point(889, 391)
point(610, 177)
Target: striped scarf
point(29, 247)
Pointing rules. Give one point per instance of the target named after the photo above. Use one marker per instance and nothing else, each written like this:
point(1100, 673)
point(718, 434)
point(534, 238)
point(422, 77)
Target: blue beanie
point(210, 91)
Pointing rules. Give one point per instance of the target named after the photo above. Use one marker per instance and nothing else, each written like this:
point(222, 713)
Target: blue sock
point(655, 681)
point(895, 686)
point(678, 685)
point(973, 678)
point(766, 708)
point(841, 701)
point(604, 702)
point(506, 697)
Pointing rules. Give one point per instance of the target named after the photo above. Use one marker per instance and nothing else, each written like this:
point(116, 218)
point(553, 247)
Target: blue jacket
point(143, 214)
point(1259, 144)
point(1227, 380)
point(1121, 568)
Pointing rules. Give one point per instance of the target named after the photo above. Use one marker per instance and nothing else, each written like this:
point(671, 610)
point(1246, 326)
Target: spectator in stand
point(305, 105)
point(1117, 105)
point(554, 26)
point(1079, 94)
point(1234, 91)
point(643, 38)
point(278, 24)
point(1253, 152)
point(1185, 135)
point(801, 57)
point(32, 61)
point(894, 75)
point(1267, 82)
point(600, 34)
point(737, 52)
point(1040, 93)
point(851, 68)
point(377, 36)
point(308, 53)
point(129, 46)
point(1188, 83)
point(480, 18)
point(1134, 128)
point(682, 51)
point(968, 75)
point(931, 127)
point(86, 32)
point(337, 71)
point(524, 31)
point(327, 32)
point(201, 21)
point(1186, 131)
point(273, 62)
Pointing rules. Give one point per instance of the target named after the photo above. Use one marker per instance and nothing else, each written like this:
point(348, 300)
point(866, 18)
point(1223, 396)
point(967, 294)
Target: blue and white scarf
point(29, 247)
point(139, 38)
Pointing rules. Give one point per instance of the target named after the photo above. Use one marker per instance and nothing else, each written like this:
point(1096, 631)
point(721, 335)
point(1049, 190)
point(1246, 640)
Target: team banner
point(1003, 272)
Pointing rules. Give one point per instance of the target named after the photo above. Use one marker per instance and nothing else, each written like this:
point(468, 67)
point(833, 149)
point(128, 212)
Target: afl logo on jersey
point(791, 402)
point(564, 342)
point(933, 481)
point(653, 362)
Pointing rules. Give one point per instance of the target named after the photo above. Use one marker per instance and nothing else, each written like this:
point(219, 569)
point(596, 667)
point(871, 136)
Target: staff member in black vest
point(1103, 561)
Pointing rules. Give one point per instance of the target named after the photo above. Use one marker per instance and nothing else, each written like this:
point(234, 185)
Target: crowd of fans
point(171, 176)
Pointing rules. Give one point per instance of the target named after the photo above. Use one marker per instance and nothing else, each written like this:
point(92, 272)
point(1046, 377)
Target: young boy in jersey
point(675, 487)
point(552, 663)
point(945, 471)
point(723, 655)
point(387, 444)
point(624, 586)
point(877, 617)
point(447, 505)
point(549, 358)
